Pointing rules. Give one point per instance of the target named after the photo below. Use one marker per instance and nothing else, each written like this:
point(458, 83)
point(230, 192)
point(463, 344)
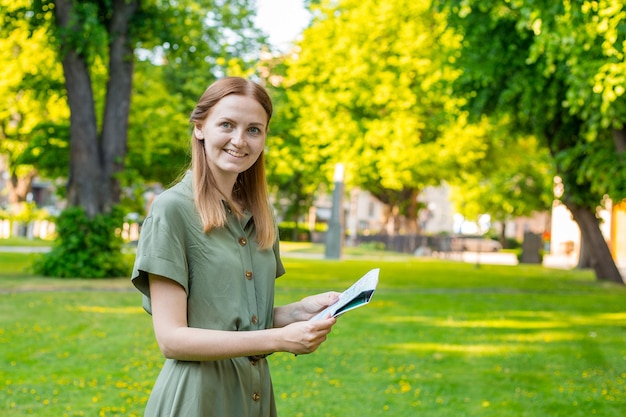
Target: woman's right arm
point(179, 341)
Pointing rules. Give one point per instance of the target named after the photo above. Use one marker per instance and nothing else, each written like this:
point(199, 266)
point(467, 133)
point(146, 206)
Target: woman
point(206, 264)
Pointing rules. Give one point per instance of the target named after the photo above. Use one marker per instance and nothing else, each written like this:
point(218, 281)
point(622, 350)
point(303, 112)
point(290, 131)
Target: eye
point(226, 125)
point(254, 130)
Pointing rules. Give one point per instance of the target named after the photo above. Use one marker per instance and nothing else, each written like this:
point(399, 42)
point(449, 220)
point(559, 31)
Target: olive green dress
point(230, 286)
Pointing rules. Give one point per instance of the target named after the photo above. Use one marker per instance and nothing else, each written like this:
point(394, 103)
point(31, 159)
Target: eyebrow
point(228, 119)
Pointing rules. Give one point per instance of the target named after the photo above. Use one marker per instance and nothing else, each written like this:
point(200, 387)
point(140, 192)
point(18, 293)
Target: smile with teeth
point(234, 153)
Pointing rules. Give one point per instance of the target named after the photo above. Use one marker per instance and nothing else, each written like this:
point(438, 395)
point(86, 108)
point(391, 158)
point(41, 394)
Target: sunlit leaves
point(365, 78)
point(563, 82)
point(193, 42)
point(29, 84)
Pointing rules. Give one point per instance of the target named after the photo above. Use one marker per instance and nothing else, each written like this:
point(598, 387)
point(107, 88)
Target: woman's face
point(234, 135)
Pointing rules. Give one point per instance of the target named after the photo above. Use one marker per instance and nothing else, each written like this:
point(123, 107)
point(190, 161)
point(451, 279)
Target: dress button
point(256, 396)
point(243, 241)
point(255, 319)
point(249, 274)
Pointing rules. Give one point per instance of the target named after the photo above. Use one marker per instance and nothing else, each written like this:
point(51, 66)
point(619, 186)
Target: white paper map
point(360, 293)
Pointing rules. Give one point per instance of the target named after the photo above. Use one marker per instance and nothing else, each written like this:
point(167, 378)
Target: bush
point(85, 248)
point(380, 246)
point(512, 243)
point(286, 231)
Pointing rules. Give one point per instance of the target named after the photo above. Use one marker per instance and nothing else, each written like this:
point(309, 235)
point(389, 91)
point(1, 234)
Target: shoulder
point(173, 208)
point(178, 197)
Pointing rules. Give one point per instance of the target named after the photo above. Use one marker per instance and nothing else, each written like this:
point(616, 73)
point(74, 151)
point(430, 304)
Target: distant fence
point(414, 244)
point(408, 243)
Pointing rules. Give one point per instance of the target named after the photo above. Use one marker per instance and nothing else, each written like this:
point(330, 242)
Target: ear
point(197, 131)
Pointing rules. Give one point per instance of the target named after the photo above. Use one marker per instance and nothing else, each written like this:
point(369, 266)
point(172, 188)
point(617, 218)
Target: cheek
point(259, 146)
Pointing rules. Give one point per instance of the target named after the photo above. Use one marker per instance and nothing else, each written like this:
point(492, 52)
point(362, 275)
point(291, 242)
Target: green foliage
point(197, 41)
point(554, 70)
point(293, 179)
point(32, 87)
point(28, 213)
point(181, 47)
point(85, 247)
point(158, 137)
point(375, 246)
point(48, 150)
point(497, 173)
point(288, 231)
point(363, 89)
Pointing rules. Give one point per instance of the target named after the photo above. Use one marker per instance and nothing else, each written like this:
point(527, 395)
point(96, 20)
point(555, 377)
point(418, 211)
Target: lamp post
point(334, 234)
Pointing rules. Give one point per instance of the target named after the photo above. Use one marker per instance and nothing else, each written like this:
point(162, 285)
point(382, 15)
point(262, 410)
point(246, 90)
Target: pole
point(334, 234)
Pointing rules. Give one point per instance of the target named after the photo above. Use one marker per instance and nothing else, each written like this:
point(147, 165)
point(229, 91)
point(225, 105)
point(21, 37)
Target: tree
point(363, 81)
point(556, 70)
point(294, 182)
point(497, 174)
point(96, 43)
point(33, 102)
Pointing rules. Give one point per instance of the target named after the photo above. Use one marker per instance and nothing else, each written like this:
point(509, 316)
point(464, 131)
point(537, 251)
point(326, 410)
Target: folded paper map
point(359, 294)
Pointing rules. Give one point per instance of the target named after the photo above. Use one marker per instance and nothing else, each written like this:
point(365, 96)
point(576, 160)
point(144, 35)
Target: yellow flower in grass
point(405, 387)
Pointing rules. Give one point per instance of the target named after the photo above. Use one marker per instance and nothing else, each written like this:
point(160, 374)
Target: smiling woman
point(207, 261)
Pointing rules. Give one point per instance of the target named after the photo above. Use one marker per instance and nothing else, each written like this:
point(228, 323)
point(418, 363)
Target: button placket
point(246, 247)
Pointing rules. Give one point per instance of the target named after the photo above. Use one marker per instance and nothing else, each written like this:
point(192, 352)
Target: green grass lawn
point(22, 241)
point(439, 338)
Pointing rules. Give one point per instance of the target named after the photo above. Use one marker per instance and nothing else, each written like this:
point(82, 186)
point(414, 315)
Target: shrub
point(512, 243)
point(287, 232)
point(373, 246)
point(85, 247)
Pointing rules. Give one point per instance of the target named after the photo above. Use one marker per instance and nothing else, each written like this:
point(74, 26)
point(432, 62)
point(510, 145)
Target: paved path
point(25, 249)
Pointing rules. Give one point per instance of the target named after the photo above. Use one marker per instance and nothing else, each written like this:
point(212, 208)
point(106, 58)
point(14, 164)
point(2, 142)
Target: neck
point(225, 185)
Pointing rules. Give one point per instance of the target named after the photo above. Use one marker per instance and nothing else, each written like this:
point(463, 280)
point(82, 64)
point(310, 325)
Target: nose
point(238, 138)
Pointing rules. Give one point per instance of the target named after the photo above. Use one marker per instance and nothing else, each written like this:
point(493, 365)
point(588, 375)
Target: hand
point(306, 336)
point(313, 304)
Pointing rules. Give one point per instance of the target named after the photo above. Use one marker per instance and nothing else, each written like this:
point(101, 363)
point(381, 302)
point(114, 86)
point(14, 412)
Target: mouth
point(234, 153)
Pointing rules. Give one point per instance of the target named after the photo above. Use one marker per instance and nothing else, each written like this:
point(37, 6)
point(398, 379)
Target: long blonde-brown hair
point(251, 185)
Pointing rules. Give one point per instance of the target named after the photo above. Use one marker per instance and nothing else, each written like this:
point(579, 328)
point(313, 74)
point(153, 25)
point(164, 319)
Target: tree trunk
point(19, 187)
point(601, 259)
point(584, 255)
point(83, 188)
point(385, 220)
point(95, 160)
point(412, 225)
point(503, 233)
point(296, 216)
point(117, 107)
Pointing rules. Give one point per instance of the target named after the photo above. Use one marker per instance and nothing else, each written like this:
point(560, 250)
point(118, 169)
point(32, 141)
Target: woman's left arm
point(304, 309)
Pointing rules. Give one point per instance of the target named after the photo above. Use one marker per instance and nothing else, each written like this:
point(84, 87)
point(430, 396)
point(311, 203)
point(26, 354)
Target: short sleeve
point(280, 268)
point(160, 251)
